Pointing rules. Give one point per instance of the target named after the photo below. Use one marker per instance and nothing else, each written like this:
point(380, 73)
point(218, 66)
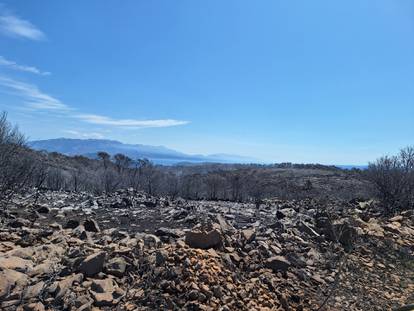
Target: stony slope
point(129, 251)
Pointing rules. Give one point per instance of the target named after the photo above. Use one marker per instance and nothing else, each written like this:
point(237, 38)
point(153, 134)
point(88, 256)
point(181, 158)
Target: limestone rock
point(116, 267)
point(33, 290)
point(102, 286)
point(102, 292)
point(248, 235)
point(103, 299)
point(5, 285)
point(15, 263)
point(64, 285)
point(204, 240)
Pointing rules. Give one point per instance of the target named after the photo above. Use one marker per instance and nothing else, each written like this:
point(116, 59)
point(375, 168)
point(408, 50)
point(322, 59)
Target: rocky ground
point(130, 251)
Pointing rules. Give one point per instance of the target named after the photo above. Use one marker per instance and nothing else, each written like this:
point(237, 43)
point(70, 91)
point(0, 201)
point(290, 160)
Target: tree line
point(22, 168)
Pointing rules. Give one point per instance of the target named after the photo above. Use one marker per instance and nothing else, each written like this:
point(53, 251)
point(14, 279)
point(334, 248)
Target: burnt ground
point(132, 251)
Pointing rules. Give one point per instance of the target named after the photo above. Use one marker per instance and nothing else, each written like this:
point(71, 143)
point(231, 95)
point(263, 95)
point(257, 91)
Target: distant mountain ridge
point(157, 154)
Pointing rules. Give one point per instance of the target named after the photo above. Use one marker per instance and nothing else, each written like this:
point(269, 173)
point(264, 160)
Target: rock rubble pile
point(131, 251)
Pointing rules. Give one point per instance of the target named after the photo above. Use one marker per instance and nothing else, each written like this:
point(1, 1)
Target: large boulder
point(203, 239)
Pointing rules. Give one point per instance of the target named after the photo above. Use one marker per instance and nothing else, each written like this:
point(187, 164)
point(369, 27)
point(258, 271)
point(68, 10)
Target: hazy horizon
point(309, 82)
point(241, 159)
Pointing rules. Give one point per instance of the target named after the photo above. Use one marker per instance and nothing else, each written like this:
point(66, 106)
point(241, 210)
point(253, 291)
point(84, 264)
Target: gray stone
point(33, 290)
point(116, 267)
point(93, 264)
point(91, 225)
point(160, 257)
point(277, 263)
point(72, 224)
point(151, 240)
point(64, 285)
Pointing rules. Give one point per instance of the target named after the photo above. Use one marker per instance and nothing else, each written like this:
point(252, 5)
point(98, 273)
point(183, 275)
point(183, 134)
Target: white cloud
point(13, 65)
point(37, 100)
point(13, 26)
point(129, 123)
point(32, 96)
point(94, 135)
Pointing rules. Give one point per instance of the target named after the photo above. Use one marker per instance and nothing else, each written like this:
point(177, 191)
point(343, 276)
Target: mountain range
point(157, 154)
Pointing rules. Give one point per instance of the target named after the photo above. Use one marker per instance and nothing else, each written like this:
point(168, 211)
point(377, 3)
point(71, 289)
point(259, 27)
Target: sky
point(327, 82)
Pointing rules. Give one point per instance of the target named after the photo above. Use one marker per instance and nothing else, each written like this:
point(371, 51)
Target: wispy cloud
point(32, 96)
point(13, 65)
point(78, 134)
point(37, 100)
point(129, 123)
point(13, 26)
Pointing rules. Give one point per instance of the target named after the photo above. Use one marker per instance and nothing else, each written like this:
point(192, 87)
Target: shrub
point(393, 178)
point(16, 166)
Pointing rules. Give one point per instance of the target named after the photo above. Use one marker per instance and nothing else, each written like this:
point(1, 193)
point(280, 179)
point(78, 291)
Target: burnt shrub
point(393, 177)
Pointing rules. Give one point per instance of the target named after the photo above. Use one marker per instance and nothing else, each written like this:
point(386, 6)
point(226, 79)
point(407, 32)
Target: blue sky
point(301, 81)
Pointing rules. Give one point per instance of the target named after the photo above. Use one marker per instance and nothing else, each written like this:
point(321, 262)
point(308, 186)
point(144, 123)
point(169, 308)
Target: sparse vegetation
point(16, 165)
point(393, 177)
point(313, 204)
point(22, 167)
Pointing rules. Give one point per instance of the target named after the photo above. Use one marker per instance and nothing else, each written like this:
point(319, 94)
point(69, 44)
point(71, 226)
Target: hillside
point(157, 154)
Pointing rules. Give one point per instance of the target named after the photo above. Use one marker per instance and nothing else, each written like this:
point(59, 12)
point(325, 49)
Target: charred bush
point(393, 177)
